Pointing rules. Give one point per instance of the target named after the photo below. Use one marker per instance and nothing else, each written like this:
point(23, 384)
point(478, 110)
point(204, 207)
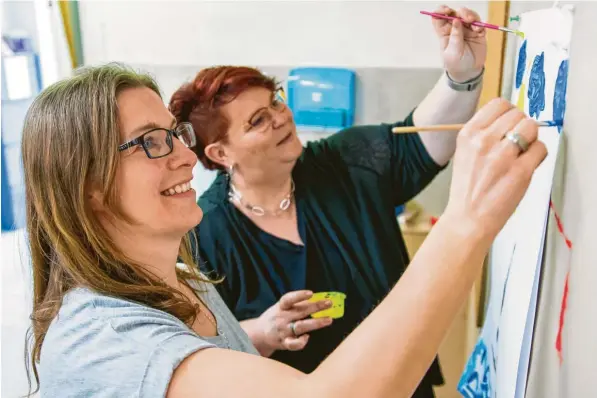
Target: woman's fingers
point(527, 129)
point(445, 26)
point(440, 24)
point(506, 122)
point(295, 343)
point(487, 127)
point(298, 338)
point(492, 171)
point(308, 325)
point(468, 15)
point(486, 116)
point(288, 300)
point(531, 159)
point(304, 309)
point(444, 10)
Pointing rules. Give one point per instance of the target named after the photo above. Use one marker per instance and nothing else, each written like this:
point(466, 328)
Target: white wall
point(263, 33)
point(357, 34)
point(19, 16)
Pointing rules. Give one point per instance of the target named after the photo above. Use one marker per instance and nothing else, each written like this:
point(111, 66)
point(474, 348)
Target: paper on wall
point(498, 366)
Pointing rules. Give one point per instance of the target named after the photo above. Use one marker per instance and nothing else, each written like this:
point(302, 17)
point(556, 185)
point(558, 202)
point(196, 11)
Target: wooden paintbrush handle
point(417, 129)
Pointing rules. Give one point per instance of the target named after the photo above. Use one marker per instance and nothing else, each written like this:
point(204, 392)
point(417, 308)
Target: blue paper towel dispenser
point(322, 97)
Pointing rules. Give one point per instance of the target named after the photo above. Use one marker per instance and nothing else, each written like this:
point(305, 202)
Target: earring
point(230, 171)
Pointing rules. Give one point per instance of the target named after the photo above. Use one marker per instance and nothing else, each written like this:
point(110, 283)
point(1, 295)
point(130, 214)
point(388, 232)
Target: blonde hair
point(70, 140)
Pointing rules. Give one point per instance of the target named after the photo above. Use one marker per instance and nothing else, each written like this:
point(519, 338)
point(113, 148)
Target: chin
point(188, 219)
point(196, 216)
point(296, 148)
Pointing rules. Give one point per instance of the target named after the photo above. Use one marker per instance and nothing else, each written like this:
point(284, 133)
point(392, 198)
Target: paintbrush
point(458, 127)
point(476, 23)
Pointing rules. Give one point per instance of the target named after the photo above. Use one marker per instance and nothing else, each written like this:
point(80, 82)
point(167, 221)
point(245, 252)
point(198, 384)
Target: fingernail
point(328, 321)
point(328, 302)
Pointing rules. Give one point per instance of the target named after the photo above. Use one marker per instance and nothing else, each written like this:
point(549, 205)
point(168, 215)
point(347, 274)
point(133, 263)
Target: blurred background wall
point(391, 47)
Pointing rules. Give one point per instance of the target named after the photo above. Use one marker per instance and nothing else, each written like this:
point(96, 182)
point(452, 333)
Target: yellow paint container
point(337, 309)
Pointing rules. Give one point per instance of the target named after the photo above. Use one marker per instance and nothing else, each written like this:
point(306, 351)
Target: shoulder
point(353, 137)
point(216, 207)
point(116, 346)
point(344, 136)
point(100, 311)
point(220, 224)
point(362, 146)
point(214, 196)
point(217, 221)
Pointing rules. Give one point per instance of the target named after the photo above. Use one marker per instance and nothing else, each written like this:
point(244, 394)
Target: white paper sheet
point(498, 366)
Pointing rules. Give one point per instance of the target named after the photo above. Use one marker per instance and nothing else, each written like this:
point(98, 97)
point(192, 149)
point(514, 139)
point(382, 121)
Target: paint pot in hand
point(336, 310)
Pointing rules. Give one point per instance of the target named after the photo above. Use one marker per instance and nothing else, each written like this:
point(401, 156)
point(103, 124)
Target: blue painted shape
point(536, 90)
point(522, 61)
point(559, 95)
point(475, 382)
point(552, 123)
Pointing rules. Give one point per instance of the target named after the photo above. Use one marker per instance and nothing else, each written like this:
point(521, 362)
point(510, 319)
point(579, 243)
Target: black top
point(347, 187)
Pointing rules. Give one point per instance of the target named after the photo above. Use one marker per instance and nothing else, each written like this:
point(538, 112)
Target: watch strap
point(468, 85)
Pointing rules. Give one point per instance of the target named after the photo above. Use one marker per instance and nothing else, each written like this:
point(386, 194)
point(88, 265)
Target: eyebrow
point(255, 113)
point(146, 127)
point(272, 96)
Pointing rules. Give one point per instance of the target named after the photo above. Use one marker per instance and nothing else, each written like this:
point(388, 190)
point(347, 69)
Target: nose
point(281, 118)
point(181, 156)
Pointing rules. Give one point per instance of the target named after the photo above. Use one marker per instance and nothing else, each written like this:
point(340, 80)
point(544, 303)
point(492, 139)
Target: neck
point(267, 192)
point(156, 254)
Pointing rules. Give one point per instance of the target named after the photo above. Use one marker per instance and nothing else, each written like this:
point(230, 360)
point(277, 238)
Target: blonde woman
point(109, 208)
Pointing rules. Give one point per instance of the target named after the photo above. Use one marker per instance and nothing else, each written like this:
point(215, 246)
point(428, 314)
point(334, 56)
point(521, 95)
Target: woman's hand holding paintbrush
point(474, 23)
point(463, 45)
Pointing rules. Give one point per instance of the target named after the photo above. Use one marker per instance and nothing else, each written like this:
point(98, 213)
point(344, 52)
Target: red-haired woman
point(282, 221)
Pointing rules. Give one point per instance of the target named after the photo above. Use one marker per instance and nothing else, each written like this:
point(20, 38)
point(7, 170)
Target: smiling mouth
point(177, 189)
point(285, 139)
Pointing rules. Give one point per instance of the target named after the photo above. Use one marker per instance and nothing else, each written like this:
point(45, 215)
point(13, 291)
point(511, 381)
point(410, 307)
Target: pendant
point(258, 211)
point(285, 204)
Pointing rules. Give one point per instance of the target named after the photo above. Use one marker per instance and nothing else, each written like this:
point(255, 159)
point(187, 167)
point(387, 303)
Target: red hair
point(199, 103)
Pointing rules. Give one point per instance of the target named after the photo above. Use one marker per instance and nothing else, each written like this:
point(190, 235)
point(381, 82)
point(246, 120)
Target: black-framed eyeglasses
point(157, 142)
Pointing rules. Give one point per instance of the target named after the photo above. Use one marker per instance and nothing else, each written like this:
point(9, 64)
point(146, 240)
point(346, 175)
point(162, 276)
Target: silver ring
point(293, 328)
point(518, 140)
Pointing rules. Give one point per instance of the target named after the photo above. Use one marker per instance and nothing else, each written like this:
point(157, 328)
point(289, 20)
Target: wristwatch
point(468, 85)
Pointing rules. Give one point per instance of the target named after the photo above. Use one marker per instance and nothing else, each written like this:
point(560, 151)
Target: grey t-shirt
point(101, 346)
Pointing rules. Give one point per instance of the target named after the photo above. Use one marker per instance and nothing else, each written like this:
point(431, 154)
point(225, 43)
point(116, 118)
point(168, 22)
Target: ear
point(217, 153)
